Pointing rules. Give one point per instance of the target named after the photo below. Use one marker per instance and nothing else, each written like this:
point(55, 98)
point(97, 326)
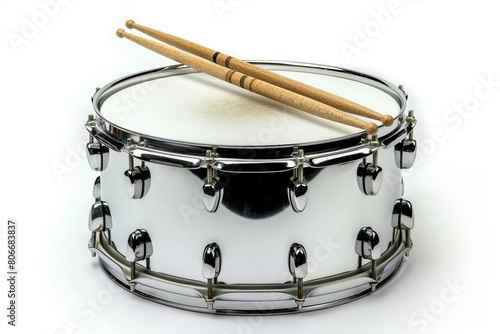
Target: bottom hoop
point(250, 299)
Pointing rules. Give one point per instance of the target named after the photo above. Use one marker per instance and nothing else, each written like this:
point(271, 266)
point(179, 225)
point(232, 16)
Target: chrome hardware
point(298, 192)
point(97, 154)
point(370, 175)
point(137, 179)
point(402, 90)
point(100, 220)
point(92, 97)
point(96, 190)
point(211, 189)
point(187, 155)
point(403, 219)
point(368, 247)
point(139, 248)
point(185, 289)
point(297, 264)
point(405, 152)
point(211, 266)
point(100, 217)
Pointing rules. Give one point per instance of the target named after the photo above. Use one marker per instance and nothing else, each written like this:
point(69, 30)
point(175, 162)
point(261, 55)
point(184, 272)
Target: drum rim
point(115, 136)
point(387, 266)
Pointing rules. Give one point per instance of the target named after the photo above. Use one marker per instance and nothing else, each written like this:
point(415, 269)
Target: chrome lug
point(405, 153)
point(298, 194)
point(212, 261)
point(297, 264)
point(402, 215)
point(137, 181)
point(100, 216)
point(212, 194)
point(211, 265)
point(139, 247)
point(368, 244)
point(369, 178)
point(96, 190)
point(97, 156)
point(297, 261)
point(368, 247)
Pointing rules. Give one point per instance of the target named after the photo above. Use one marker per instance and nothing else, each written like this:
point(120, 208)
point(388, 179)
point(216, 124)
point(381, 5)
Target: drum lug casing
point(100, 216)
point(367, 247)
point(100, 220)
point(137, 179)
point(212, 262)
point(403, 219)
point(212, 194)
point(137, 182)
point(297, 264)
point(97, 153)
point(97, 156)
point(298, 191)
point(369, 178)
point(139, 248)
point(405, 152)
point(212, 191)
point(370, 175)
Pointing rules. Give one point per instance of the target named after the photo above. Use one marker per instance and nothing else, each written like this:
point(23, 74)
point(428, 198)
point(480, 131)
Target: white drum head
point(197, 108)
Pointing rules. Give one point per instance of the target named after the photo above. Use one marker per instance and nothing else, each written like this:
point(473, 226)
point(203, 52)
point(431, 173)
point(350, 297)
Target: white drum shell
point(253, 251)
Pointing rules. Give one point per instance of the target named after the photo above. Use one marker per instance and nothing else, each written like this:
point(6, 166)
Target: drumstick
point(263, 74)
point(254, 85)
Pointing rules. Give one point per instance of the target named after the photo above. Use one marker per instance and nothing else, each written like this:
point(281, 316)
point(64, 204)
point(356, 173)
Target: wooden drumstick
point(263, 74)
point(254, 85)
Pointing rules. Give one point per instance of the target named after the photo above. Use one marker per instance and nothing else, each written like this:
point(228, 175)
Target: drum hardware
point(370, 175)
point(212, 191)
point(137, 179)
point(401, 88)
point(298, 192)
point(139, 248)
point(211, 266)
point(403, 220)
point(387, 265)
point(105, 133)
point(96, 90)
point(99, 220)
point(297, 264)
point(97, 154)
point(405, 151)
point(368, 247)
point(96, 190)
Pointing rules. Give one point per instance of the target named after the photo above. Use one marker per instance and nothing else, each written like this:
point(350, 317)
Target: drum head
point(197, 108)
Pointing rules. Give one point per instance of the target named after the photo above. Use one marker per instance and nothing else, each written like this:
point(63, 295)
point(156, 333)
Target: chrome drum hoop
point(193, 295)
point(267, 158)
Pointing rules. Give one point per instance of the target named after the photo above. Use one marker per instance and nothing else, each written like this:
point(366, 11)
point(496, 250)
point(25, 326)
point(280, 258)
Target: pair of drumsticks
point(258, 80)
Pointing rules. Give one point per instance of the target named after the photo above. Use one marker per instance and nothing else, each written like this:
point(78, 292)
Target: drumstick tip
point(130, 24)
point(387, 120)
point(371, 128)
point(120, 33)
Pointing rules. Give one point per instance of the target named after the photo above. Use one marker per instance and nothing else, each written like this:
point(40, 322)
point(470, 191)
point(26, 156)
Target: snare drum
point(210, 198)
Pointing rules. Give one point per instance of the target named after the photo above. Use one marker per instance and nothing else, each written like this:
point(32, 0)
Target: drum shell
point(253, 250)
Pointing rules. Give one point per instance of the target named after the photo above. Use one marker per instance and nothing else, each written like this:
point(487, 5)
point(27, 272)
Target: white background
point(442, 51)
